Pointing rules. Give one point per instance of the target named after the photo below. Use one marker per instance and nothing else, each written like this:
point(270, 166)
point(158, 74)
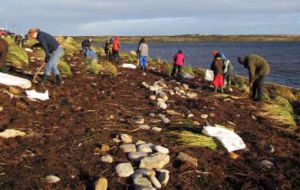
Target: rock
point(152, 97)
point(192, 95)
point(266, 164)
point(182, 92)
point(1, 108)
point(155, 121)
point(165, 120)
point(212, 115)
point(165, 98)
point(269, 148)
point(14, 90)
point(126, 138)
point(144, 127)
point(161, 149)
point(152, 115)
point(186, 158)
point(101, 184)
point(176, 89)
point(227, 100)
point(154, 88)
point(145, 148)
point(140, 142)
point(141, 182)
point(136, 156)
point(124, 169)
point(155, 161)
point(162, 105)
point(156, 129)
point(196, 123)
point(11, 133)
point(116, 140)
point(171, 92)
point(253, 117)
point(172, 112)
point(145, 172)
point(144, 188)
point(185, 86)
point(52, 179)
point(128, 148)
point(164, 176)
point(204, 116)
point(104, 148)
point(190, 115)
point(139, 120)
point(107, 159)
point(155, 182)
point(233, 155)
point(161, 100)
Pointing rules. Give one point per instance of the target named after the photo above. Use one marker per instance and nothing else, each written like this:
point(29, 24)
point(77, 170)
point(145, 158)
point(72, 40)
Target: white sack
point(209, 75)
point(11, 80)
point(129, 66)
point(32, 94)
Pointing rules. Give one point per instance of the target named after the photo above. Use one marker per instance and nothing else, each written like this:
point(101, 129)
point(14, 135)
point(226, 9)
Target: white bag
point(209, 75)
point(11, 80)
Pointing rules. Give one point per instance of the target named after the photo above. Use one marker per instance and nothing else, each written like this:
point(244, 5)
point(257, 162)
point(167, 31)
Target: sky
point(152, 17)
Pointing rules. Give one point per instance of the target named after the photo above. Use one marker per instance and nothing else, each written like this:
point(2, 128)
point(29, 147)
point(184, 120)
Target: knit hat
point(215, 52)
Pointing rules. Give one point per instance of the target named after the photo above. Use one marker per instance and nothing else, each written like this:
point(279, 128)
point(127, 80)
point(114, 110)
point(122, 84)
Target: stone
point(126, 138)
point(185, 86)
point(161, 149)
point(154, 88)
point(116, 140)
point(233, 155)
point(124, 169)
point(204, 116)
point(192, 95)
point(126, 148)
point(253, 117)
point(104, 148)
point(1, 108)
point(139, 120)
point(164, 176)
point(152, 115)
point(101, 184)
point(165, 120)
point(145, 172)
point(165, 98)
point(266, 164)
point(140, 142)
point(152, 97)
point(171, 92)
point(176, 89)
point(155, 161)
point(190, 115)
point(155, 182)
point(107, 159)
point(155, 121)
point(162, 105)
point(144, 188)
point(52, 179)
point(269, 148)
point(142, 182)
point(227, 100)
point(145, 148)
point(186, 158)
point(136, 156)
point(144, 127)
point(156, 129)
point(212, 115)
point(172, 112)
point(161, 100)
point(11, 133)
point(14, 90)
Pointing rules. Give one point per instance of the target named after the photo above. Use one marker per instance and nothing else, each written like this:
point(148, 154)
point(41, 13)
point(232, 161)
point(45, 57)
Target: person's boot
point(58, 80)
point(44, 80)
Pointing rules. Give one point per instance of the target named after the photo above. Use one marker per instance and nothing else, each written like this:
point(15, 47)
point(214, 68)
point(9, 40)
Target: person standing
point(116, 49)
point(218, 68)
point(178, 63)
point(143, 54)
point(108, 48)
point(228, 71)
point(3, 54)
point(53, 50)
point(258, 69)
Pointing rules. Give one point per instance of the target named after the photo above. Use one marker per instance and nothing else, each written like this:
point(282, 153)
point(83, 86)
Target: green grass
point(64, 68)
point(93, 68)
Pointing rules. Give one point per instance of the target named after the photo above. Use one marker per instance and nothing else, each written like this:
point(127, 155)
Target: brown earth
point(63, 135)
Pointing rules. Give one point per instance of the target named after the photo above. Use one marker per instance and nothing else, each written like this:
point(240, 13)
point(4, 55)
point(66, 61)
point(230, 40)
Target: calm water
point(283, 57)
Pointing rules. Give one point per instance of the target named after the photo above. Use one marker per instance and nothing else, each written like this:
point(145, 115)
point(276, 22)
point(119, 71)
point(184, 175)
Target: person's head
point(240, 60)
point(32, 33)
point(143, 40)
point(215, 52)
point(117, 38)
point(90, 39)
point(180, 51)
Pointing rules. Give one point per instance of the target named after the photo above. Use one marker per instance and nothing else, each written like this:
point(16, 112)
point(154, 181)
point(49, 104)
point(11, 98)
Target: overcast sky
point(152, 17)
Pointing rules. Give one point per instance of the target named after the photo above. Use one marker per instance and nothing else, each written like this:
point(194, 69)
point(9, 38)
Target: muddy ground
point(65, 133)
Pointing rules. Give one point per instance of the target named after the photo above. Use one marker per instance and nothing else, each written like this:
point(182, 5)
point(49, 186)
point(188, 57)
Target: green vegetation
point(69, 44)
point(98, 68)
point(17, 56)
point(64, 68)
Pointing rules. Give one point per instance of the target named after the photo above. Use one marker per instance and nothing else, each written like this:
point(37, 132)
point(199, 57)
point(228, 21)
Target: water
point(283, 57)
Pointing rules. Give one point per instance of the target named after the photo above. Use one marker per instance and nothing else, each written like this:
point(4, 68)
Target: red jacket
point(116, 44)
point(179, 59)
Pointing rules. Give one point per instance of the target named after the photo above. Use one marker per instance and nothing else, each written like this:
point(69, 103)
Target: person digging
point(258, 69)
point(53, 51)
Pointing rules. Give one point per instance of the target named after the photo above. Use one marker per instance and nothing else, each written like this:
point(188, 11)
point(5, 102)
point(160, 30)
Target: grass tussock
point(280, 110)
point(93, 68)
point(64, 68)
point(101, 68)
point(16, 56)
point(195, 139)
point(69, 44)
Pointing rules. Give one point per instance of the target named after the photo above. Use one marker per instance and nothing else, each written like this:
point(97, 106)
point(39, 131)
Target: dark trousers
point(176, 70)
point(116, 56)
point(257, 88)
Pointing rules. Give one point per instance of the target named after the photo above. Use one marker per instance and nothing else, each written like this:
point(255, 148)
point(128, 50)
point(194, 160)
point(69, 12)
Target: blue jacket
point(48, 43)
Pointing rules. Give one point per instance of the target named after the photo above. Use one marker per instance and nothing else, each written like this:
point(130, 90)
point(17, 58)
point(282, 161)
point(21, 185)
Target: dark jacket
point(217, 67)
point(48, 43)
point(3, 52)
point(86, 44)
point(257, 67)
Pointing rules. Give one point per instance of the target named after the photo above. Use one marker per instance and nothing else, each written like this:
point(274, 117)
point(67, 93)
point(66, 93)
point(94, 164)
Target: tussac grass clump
point(194, 139)
point(93, 68)
point(101, 68)
point(109, 68)
point(69, 44)
point(16, 56)
point(280, 110)
point(64, 68)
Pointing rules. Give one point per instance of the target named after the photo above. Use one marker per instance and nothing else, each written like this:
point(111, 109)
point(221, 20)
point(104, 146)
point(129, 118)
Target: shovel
point(38, 71)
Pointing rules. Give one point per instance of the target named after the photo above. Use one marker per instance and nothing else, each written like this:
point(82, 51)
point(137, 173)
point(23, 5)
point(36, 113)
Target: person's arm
point(46, 49)
point(251, 73)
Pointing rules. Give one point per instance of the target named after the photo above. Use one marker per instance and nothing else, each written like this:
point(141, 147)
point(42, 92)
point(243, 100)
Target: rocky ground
point(88, 131)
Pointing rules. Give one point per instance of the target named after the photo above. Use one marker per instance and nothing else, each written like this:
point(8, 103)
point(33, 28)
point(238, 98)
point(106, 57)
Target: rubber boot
point(44, 80)
point(58, 80)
